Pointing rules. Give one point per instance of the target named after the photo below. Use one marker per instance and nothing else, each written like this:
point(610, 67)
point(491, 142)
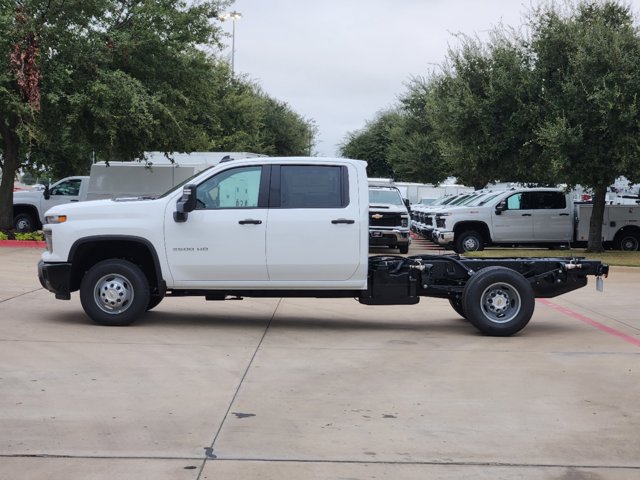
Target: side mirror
point(407, 204)
point(501, 207)
point(47, 192)
point(186, 203)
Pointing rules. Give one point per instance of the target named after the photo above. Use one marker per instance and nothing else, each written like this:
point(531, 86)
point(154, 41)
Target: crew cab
point(520, 216)
point(275, 227)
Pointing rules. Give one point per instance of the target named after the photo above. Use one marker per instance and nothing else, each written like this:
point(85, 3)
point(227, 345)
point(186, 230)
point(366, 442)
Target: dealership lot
point(308, 388)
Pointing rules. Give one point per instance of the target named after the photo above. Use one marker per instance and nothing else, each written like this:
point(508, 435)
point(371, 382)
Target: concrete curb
point(23, 243)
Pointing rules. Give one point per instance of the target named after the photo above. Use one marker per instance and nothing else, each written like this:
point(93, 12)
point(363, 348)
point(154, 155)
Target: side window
point(233, 188)
point(514, 202)
point(311, 186)
point(549, 200)
point(70, 187)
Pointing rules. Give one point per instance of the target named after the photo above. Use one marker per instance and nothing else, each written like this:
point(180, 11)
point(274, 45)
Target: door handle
point(526, 214)
point(564, 214)
point(342, 220)
point(250, 221)
point(73, 200)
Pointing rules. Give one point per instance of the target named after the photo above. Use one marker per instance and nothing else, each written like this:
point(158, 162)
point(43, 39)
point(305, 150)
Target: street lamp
point(233, 16)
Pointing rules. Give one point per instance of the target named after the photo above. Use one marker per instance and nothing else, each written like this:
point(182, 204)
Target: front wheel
point(498, 301)
point(114, 292)
point(469, 241)
point(24, 223)
point(403, 248)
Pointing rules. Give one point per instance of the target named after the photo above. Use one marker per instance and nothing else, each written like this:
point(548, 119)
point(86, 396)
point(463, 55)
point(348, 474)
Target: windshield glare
point(391, 197)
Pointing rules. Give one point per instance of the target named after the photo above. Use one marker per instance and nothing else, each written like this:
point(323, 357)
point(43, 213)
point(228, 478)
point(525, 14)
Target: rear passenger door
point(552, 220)
point(313, 226)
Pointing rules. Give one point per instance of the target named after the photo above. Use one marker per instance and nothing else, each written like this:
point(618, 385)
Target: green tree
point(112, 77)
point(588, 73)
point(483, 113)
point(413, 152)
point(372, 144)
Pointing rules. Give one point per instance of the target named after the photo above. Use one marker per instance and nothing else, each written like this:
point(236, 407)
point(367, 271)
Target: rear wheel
point(628, 241)
point(114, 293)
point(498, 301)
point(24, 223)
point(469, 241)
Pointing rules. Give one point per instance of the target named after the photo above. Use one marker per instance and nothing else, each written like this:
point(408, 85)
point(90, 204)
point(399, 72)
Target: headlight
point(53, 219)
point(405, 221)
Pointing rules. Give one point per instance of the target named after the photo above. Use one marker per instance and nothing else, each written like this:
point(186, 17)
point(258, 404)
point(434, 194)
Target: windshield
point(482, 199)
point(391, 197)
point(183, 183)
point(463, 198)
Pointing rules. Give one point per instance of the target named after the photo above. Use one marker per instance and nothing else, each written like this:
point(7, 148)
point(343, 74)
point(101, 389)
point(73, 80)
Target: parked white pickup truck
point(532, 216)
point(115, 179)
point(29, 206)
point(274, 227)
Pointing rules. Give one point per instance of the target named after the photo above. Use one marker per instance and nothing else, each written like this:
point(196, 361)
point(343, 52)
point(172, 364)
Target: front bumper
point(378, 237)
point(56, 277)
point(443, 237)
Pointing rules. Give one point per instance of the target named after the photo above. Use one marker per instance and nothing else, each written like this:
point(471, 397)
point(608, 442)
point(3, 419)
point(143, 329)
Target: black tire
point(24, 223)
point(114, 292)
point(456, 304)
point(469, 241)
point(154, 301)
point(403, 248)
point(628, 241)
point(498, 301)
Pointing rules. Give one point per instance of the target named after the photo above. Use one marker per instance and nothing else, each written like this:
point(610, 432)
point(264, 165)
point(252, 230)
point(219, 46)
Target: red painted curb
point(23, 243)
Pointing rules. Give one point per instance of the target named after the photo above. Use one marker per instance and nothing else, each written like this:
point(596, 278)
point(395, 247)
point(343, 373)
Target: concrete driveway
point(322, 389)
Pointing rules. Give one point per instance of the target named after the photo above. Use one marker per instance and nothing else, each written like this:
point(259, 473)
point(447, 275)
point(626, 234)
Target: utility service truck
point(301, 230)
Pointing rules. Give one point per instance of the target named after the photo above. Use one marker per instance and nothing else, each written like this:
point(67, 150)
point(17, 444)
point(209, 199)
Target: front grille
point(427, 220)
point(384, 220)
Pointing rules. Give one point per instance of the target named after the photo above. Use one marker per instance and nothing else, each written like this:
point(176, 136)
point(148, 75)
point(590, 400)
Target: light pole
point(233, 16)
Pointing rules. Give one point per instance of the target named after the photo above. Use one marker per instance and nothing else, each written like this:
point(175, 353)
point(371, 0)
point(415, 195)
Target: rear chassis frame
point(400, 280)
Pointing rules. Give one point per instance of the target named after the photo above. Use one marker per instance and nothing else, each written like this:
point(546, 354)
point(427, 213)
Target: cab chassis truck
point(287, 234)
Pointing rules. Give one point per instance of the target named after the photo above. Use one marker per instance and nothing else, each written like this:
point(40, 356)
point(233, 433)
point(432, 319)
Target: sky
point(339, 62)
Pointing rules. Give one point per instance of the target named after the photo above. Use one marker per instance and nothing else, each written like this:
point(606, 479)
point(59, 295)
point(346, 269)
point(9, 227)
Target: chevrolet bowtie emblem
point(377, 216)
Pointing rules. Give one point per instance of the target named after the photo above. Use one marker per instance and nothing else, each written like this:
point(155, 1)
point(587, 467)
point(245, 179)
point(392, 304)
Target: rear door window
point(309, 186)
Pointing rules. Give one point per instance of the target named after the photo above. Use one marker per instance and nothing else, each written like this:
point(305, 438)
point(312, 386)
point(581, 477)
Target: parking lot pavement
point(311, 388)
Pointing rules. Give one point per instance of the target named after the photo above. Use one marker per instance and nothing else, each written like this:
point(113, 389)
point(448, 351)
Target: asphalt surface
point(317, 389)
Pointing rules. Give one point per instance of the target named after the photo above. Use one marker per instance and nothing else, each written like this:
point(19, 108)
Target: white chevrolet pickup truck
point(30, 206)
point(274, 227)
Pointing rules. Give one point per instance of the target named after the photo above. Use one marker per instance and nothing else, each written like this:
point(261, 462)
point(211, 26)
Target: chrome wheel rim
point(500, 302)
point(629, 243)
point(471, 244)
point(23, 225)
point(113, 294)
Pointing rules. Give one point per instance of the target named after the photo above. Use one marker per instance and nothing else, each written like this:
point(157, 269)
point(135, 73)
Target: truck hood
point(387, 207)
point(25, 195)
point(125, 208)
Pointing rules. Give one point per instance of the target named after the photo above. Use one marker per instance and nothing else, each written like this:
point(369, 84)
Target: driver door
point(223, 239)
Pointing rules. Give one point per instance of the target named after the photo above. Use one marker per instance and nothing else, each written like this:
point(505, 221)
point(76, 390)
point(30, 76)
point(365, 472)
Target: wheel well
point(627, 229)
point(30, 210)
point(479, 227)
point(87, 254)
